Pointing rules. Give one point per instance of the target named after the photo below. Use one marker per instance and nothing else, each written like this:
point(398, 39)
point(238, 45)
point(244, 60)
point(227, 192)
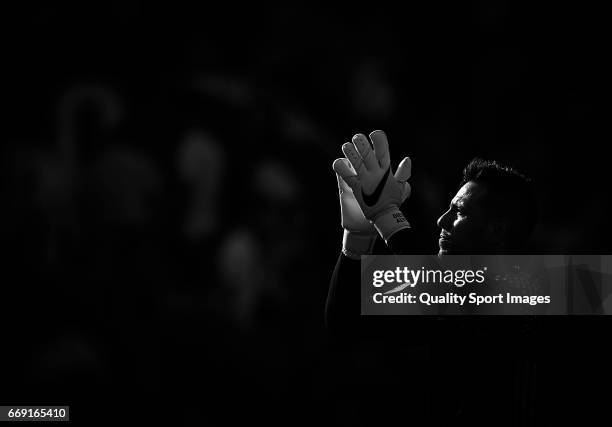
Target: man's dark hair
point(509, 196)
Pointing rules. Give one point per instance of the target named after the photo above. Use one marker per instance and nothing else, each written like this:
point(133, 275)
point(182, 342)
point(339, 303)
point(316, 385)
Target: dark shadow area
point(170, 218)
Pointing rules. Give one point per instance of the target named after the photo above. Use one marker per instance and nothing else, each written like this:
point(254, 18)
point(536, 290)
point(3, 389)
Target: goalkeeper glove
point(377, 191)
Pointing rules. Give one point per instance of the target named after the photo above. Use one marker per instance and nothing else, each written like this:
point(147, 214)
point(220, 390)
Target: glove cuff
point(390, 222)
point(356, 244)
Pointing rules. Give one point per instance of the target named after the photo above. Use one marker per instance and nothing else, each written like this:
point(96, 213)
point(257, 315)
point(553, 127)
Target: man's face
point(464, 225)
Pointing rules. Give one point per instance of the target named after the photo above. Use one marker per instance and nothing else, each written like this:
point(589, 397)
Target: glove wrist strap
point(355, 244)
point(390, 222)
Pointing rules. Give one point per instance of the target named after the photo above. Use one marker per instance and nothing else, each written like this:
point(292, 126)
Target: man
point(493, 212)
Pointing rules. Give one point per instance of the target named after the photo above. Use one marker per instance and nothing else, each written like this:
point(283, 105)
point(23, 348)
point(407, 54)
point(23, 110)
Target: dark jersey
point(471, 369)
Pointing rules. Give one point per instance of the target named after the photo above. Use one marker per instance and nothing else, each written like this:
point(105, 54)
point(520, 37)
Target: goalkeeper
point(493, 212)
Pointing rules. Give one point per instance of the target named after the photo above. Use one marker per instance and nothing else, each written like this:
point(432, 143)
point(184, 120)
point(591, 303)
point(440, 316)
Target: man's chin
point(444, 251)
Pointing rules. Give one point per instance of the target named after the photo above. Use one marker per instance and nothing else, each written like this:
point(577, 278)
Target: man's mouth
point(444, 240)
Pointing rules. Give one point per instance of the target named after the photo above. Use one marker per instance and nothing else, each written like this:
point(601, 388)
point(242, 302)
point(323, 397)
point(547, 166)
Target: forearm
point(343, 305)
point(342, 308)
point(402, 242)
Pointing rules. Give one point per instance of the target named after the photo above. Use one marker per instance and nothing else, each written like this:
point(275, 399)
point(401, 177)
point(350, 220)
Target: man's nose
point(443, 220)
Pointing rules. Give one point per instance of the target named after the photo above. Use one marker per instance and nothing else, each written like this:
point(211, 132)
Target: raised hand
point(366, 181)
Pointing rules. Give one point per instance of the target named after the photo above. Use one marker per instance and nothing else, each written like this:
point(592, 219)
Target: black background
point(111, 304)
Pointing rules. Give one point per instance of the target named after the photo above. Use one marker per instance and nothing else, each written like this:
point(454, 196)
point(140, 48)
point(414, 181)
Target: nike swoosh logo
point(370, 200)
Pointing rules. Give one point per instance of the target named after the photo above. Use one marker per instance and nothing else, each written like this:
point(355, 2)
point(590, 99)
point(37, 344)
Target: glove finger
point(365, 150)
point(404, 170)
point(343, 169)
point(381, 148)
point(406, 191)
point(353, 156)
